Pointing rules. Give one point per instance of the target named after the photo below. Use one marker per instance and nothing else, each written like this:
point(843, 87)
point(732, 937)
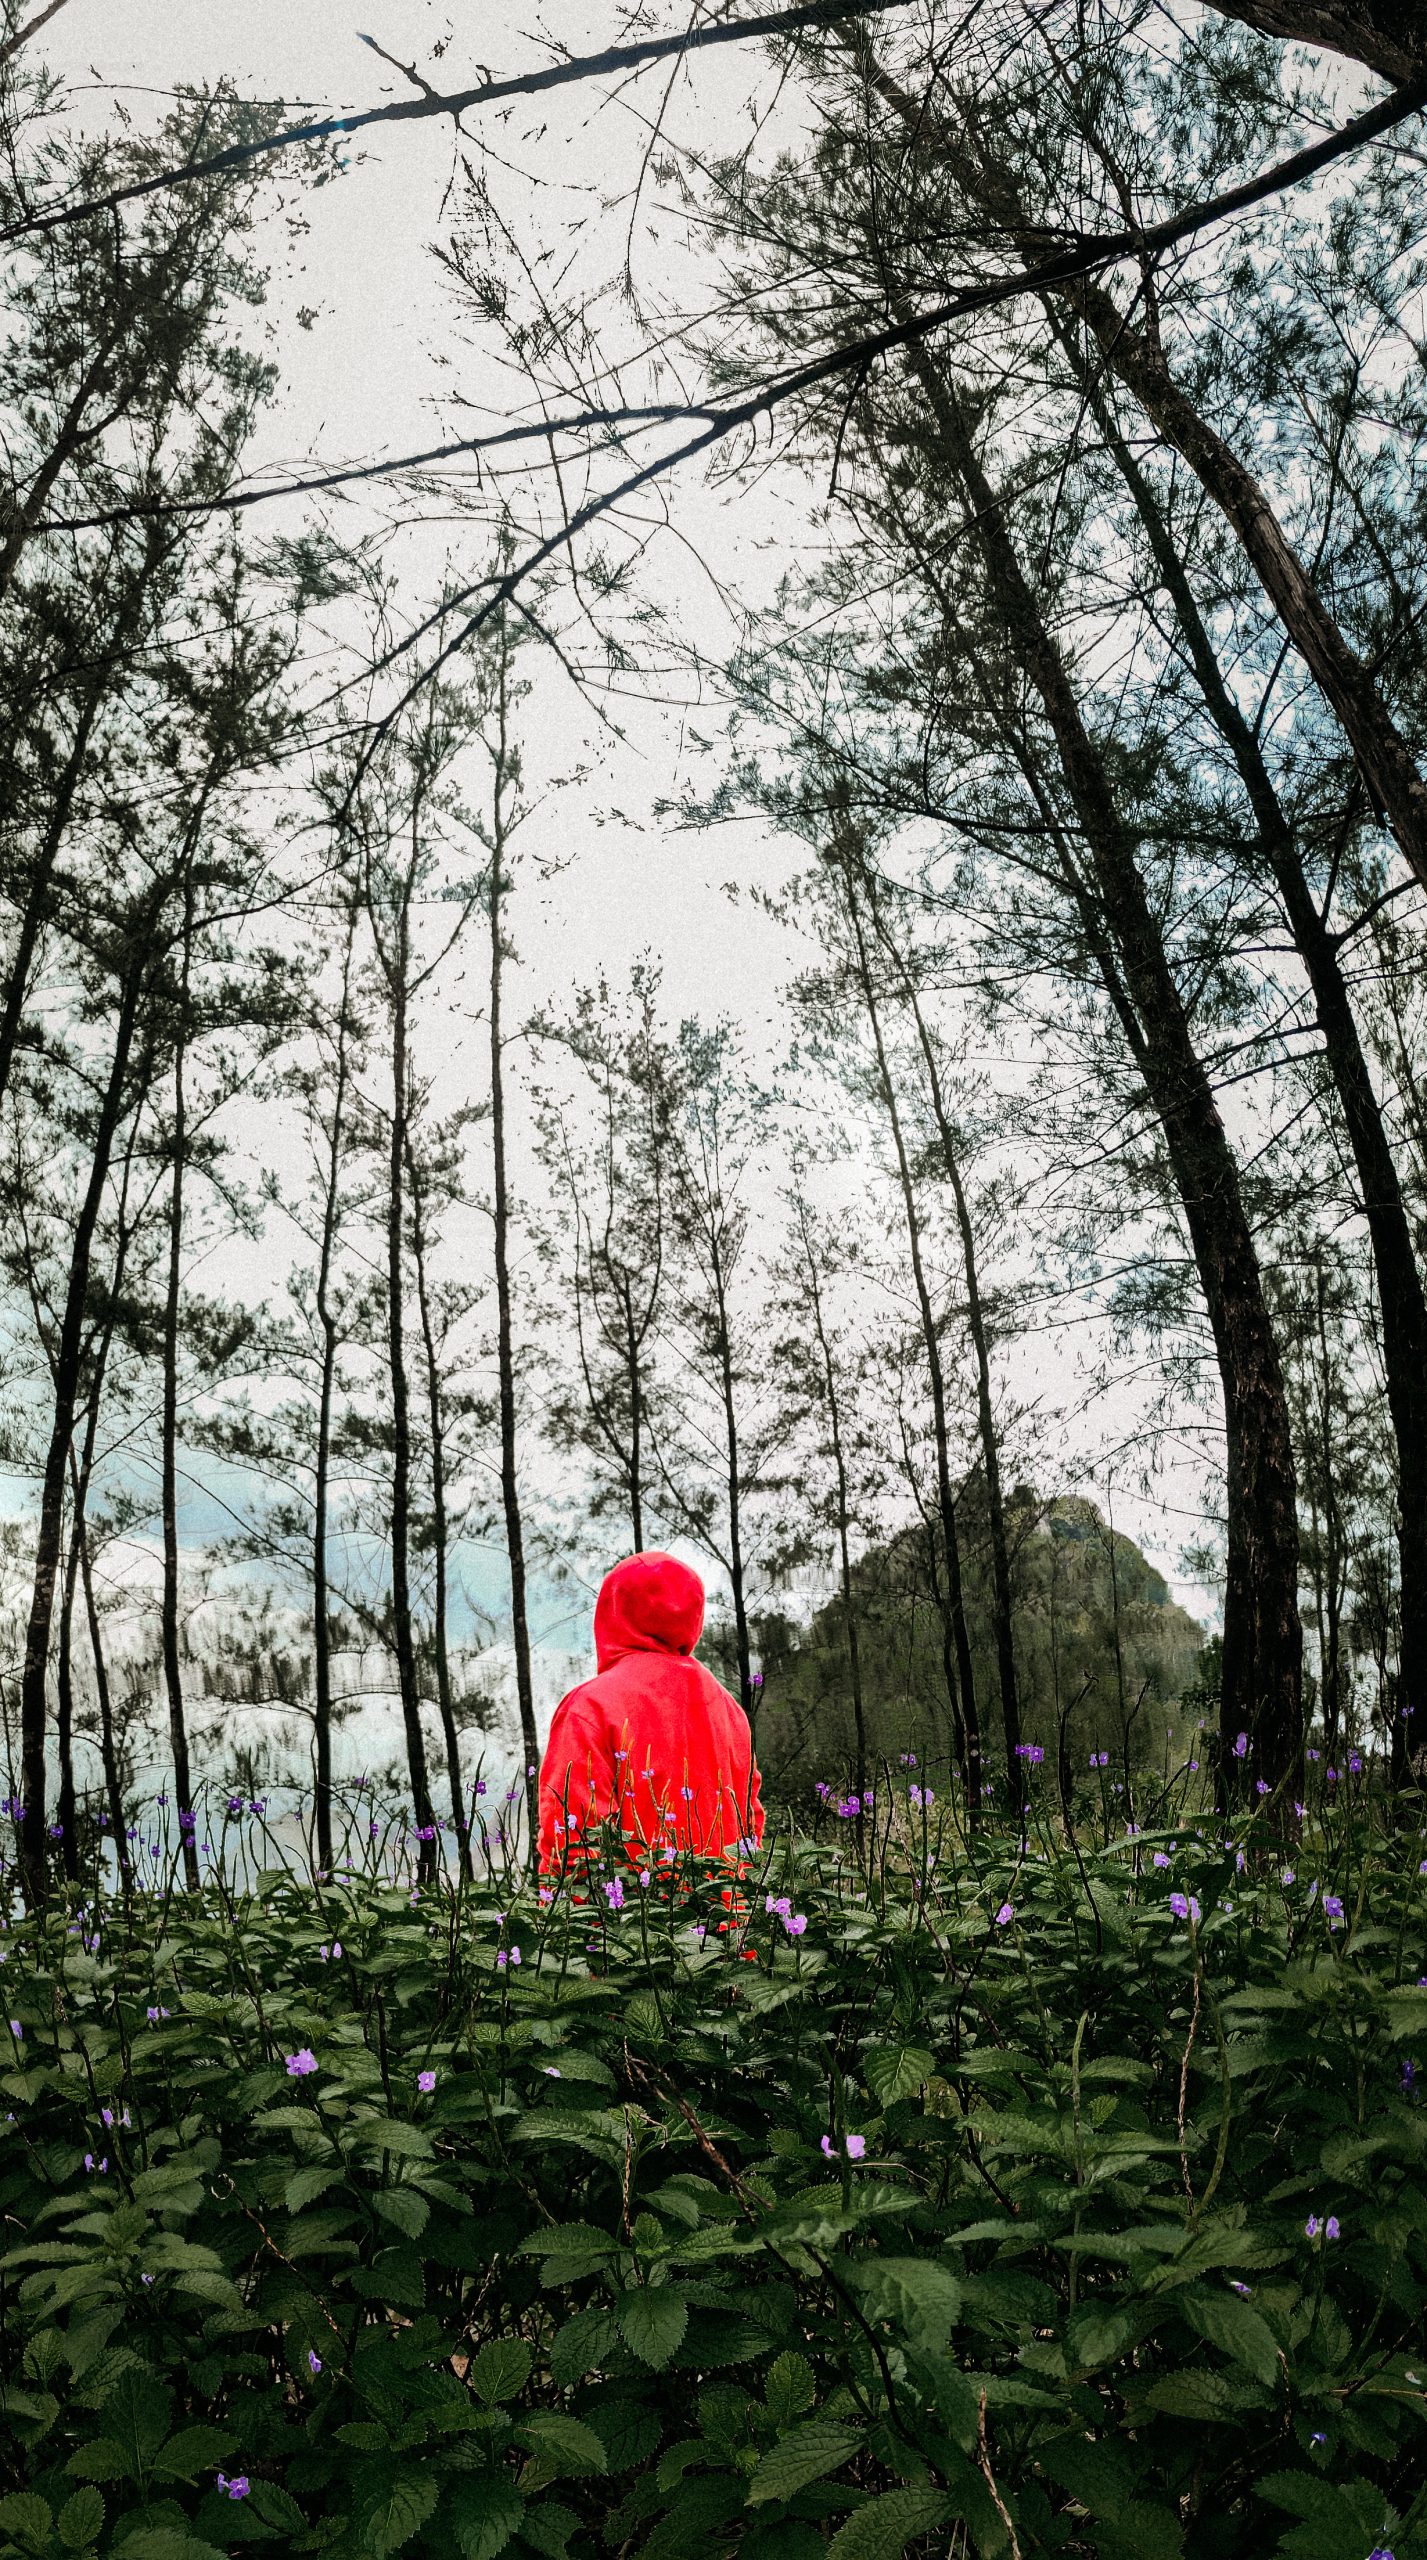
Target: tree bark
point(1263, 1642)
point(172, 1661)
point(505, 1325)
point(1401, 1298)
point(839, 1463)
point(436, 1424)
point(326, 1392)
point(31, 1842)
point(955, 1605)
point(1387, 35)
point(1001, 1600)
point(37, 888)
point(1395, 785)
point(404, 1643)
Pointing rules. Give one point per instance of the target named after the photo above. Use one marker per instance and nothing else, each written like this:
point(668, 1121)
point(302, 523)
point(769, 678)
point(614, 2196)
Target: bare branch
point(32, 26)
point(455, 103)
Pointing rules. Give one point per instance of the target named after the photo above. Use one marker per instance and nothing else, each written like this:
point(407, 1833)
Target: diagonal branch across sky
point(456, 102)
point(1081, 257)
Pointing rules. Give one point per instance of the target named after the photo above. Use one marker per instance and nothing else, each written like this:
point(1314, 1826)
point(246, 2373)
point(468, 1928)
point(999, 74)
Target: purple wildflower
point(300, 2063)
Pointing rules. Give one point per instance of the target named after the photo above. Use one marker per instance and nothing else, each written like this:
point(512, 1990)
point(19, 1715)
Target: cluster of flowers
point(1032, 1751)
point(780, 1905)
point(920, 1796)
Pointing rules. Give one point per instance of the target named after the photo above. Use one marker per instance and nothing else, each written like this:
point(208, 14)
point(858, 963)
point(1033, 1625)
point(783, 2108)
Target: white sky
point(383, 369)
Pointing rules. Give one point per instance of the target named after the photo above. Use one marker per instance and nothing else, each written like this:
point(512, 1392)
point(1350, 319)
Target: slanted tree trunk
point(1395, 784)
point(1263, 1643)
point(1390, 36)
point(38, 884)
point(1401, 1299)
point(31, 1841)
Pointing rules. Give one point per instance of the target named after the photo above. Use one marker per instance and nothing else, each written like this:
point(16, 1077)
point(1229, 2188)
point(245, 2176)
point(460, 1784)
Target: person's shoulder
point(715, 1695)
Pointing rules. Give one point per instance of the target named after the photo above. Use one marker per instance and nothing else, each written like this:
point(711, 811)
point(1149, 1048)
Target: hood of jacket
point(649, 1604)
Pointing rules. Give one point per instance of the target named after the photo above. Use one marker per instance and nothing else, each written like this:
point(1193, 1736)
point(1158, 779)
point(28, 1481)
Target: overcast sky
point(389, 364)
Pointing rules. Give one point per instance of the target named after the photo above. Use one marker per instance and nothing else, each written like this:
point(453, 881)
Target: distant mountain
point(1095, 1628)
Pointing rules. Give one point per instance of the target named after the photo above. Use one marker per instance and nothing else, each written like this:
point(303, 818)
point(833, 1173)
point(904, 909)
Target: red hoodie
point(652, 1741)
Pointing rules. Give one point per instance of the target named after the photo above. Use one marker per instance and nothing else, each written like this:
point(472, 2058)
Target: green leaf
point(1227, 2321)
point(627, 2429)
point(276, 2507)
point(27, 2519)
point(137, 2416)
point(1336, 2521)
point(394, 2497)
point(393, 2133)
point(80, 2520)
point(305, 2185)
point(192, 2450)
point(581, 2345)
point(806, 2453)
point(894, 2071)
point(395, 2275)
point(403, 2206)
point(577, 2243)
point(501, 2369)
point(484, 2512)
point(917, 2295)
point(652, 2321)
point(1098, 2333)
point(564, 2447)
point(886, 2525)
point(164, 2542)
point(101, 2460)
point(1198, 2393)
point(789, 2388)
point(547, 2528)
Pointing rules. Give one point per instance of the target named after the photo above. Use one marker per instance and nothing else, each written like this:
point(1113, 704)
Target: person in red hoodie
point(652, 1746)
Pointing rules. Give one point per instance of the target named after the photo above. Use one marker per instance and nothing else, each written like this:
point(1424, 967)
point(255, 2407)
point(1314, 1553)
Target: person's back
point(652, 1746)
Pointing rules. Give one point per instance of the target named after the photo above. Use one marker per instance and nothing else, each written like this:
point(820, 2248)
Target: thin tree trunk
point(64, 1714)
point(636, 1420)
point(1400, 1291)
point(729, 1401)
point(34, 1675)
point(1333, 1541)
point(169, 1609)
point(37, 888)
point(960, 1641)
point(107, 1750)
point(839, 1464)
point(326, 1391)
point(81, 1475)
point(505, 1328)
point(423, 1814)
point(1001, 1599)
point(436, 1423)
point(1263, 1644)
